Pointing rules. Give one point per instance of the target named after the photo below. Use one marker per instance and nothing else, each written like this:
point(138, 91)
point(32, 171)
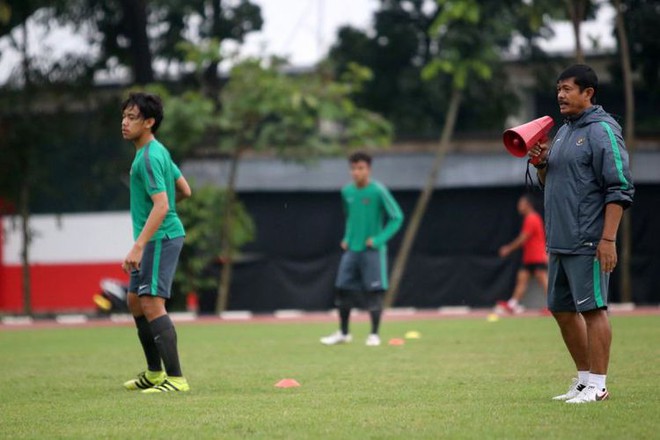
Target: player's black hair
point(360, 156)
point(529, 197)
point(584, 76)
point(150, 106)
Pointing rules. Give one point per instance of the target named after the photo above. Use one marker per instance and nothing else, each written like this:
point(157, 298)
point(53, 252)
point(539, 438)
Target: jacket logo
point(579, 142)
point(366, 201)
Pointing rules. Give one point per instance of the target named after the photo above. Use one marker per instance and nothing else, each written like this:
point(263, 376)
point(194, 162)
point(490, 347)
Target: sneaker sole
point(166, 387)
point(604, 397)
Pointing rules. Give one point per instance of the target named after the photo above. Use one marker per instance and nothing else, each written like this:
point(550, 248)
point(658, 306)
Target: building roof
point(396, 171)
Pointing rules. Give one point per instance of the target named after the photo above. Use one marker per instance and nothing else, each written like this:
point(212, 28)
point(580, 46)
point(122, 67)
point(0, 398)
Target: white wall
point(70, 238)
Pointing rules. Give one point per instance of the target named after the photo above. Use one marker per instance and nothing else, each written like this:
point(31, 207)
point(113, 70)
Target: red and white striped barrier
point(69, 255)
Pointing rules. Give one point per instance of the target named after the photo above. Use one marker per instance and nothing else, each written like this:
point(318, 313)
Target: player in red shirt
point(534, 259)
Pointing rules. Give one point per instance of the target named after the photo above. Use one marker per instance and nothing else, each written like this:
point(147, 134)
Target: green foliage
point(642, 21)
point(218, 21)
point(449, 44)
point(459, 56)
point(186, 119)
point(263, 108)
point(394, 55)
point(132, 33)
point(298, 117)
point(203, 54)
point(452, 11)
point(203, 220)
point(464, 379)
point(5, 12)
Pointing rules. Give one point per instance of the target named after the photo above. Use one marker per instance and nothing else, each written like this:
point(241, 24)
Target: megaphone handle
point(537, 159)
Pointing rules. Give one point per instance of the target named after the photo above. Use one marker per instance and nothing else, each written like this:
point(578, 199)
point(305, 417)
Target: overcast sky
point(291, 27)
point(302, 30)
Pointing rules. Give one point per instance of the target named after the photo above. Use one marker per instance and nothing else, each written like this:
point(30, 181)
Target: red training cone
point(397, 341)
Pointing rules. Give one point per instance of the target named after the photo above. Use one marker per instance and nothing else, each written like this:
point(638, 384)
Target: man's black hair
point(149, 105)
point(584, 76)
point(530, 198)
point(360, 156)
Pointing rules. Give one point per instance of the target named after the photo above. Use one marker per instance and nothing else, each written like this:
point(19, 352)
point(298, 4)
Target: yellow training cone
point(413, 335)
point(492, 317)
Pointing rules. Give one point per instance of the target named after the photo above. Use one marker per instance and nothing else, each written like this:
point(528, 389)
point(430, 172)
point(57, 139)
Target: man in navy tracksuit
point(587, 187)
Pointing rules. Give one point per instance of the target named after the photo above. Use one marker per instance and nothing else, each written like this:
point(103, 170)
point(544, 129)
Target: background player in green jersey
point(156, 185)
point(372, 218)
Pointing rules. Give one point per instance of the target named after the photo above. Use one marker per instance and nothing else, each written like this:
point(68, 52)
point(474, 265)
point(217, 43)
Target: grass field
point(465, 378)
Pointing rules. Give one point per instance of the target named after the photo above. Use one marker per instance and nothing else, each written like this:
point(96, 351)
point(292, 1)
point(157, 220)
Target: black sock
point(375, 320)
point(148, 343)
point(165, 337)
point(344, 315)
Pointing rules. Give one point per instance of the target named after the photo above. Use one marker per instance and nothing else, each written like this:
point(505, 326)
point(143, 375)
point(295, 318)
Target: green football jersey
point(371, 212)
point(153, 172)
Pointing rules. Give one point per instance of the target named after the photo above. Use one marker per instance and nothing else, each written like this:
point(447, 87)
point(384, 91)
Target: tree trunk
point(135, 16)
point(24, 195)
point(24, 209)
point(227, 245)
point(423, 200)
point(211, 81)
point(577, 11)
point(629, 137)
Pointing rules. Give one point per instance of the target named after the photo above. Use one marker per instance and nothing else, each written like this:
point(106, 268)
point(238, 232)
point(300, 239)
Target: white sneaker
point(373, 340)
point(590, 394)
point(572, 392)
point(336, 338)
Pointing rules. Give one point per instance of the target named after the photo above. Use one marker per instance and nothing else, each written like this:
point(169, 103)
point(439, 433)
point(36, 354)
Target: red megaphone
point(519, 140)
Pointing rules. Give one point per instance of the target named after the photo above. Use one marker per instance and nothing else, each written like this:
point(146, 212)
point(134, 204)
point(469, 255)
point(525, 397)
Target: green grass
point(463, 379)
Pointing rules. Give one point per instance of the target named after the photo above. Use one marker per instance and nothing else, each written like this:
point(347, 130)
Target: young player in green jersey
point(372, 218)
point(156, 185)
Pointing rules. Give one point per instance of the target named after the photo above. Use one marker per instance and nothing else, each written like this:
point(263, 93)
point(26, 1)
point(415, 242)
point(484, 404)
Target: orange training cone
point(287, 383)
point(397, 341)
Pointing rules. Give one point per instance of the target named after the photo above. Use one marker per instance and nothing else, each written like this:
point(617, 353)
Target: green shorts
point(576, 283)
point(157, 268)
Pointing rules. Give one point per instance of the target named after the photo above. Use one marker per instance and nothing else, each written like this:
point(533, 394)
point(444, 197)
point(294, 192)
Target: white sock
point(598, 380)
point(583, 377)
point(512, 303)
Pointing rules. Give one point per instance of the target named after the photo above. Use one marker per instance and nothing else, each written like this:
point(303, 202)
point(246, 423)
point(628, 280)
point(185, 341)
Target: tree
point(641, 19)
point(399, 47)
point(265, 109)
point(218, 22)
point(577, 10)
point(20, 146)
point(33, 97)
point(460, 66)
point(203, 219)
point(296, 117)
point(396, 53)
point(626, 227)
point(131, 33)
point(469, 36)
